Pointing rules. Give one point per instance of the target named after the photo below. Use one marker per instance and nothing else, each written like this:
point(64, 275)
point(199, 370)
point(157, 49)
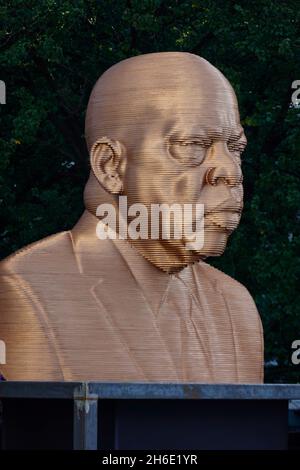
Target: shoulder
point(23, 319)
point(245, 321)
point(236, 296)
point(224, 283)
point(41, 253)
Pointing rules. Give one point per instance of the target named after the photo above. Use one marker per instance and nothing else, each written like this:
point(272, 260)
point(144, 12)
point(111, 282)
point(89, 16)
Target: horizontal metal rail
point(106, 390)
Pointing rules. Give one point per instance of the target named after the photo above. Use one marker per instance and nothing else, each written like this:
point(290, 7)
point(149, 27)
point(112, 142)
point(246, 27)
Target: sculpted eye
point(236, 150)
point(189, 153)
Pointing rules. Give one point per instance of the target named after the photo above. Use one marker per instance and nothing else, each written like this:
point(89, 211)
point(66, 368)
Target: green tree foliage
point(52, 52)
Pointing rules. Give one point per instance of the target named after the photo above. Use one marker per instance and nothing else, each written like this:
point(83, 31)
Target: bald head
point(149, 92)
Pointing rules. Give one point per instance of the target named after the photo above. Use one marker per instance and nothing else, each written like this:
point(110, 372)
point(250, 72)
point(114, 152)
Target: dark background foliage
point(52, 52)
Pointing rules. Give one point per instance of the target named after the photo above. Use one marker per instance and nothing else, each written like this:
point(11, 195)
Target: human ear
point(108, 161)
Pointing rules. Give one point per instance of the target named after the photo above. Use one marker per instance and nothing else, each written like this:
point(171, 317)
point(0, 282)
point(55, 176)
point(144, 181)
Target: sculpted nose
point(224, 168)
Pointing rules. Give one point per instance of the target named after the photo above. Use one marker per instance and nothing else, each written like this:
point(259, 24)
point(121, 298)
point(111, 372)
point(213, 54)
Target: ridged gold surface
point(161, 128)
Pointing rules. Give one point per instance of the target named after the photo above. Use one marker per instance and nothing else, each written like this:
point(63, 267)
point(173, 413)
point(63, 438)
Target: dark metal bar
point(195, 391)
point(151, 390)
point(64, 390)
point(85, 421)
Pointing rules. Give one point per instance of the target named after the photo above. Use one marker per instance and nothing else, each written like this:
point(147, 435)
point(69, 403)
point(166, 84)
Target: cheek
point(165, 184)
point(178, 185)
point(153, 176)
point(188, 184)
point(147, 183)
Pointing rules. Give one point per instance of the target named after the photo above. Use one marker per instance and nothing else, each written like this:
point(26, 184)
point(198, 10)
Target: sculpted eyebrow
point(192, 139)
point(239, 140)
point(210, 135)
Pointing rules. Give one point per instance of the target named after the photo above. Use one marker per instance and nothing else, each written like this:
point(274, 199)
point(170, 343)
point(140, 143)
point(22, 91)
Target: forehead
point(185, 87)
point(164, 93)
point(203, 112)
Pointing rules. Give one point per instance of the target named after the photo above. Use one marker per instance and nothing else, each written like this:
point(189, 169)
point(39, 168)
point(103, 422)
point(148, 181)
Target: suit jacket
point(73, 307)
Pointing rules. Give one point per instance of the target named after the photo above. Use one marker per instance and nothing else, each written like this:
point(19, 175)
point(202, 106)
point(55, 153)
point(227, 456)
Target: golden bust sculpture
point(161, 128)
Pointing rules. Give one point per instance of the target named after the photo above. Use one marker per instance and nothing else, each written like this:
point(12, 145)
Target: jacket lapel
point(132, 317)
point(120, 301)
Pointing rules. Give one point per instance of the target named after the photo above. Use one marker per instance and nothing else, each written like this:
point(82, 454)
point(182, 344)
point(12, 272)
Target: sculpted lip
point(230, 205)
point(225, 219)
point(224, 213)
point(232, 210)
